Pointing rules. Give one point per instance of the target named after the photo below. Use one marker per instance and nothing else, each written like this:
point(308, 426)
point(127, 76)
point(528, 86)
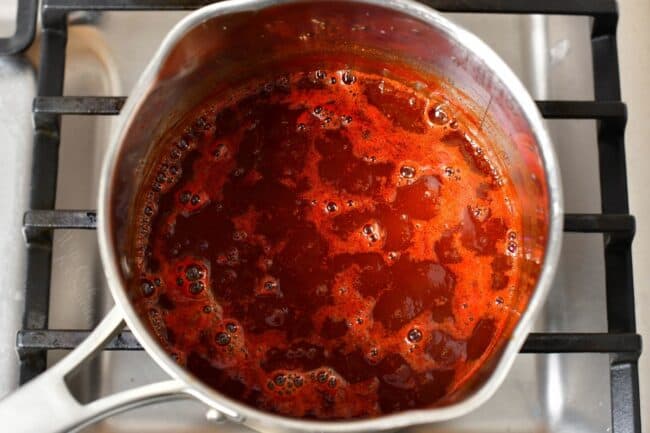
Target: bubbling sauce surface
point(329, 245)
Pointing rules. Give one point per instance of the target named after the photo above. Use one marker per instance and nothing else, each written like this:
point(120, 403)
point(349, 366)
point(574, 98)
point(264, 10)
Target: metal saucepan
point(214, 48)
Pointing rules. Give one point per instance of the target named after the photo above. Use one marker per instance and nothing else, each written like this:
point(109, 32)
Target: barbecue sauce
point(328, 245)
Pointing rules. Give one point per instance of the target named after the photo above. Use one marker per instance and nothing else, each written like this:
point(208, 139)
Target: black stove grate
point(618, 227)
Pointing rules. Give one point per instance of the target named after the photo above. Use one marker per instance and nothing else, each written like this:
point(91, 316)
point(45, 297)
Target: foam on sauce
point(328, 244)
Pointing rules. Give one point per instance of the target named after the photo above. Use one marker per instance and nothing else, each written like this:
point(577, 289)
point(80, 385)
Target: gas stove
point(577, 371)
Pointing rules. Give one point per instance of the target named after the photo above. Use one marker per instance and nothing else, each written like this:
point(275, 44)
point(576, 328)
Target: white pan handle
point(45, 404)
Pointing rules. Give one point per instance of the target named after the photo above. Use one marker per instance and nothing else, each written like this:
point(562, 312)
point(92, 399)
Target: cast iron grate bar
point(601, 110)
point(109, 105)
point(628, 344)
point(78, 104)
point(25, 29)
point(45, 164)
point(553, 7)
point(60, 219)
point(36, 221)
point(600, 223)
point(619, 282)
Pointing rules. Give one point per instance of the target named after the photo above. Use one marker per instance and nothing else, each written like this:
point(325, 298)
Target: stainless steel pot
point(216, 47)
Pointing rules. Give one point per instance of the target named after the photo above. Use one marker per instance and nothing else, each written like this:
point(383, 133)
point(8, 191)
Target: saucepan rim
point(240, 412)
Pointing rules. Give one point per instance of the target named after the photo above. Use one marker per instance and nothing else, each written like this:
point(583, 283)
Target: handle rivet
point(215, 416)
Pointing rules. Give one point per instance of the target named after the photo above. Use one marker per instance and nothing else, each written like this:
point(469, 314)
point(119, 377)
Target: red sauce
point(329, 245)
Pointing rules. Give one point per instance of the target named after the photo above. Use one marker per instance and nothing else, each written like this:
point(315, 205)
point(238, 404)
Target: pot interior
point(235, 45)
